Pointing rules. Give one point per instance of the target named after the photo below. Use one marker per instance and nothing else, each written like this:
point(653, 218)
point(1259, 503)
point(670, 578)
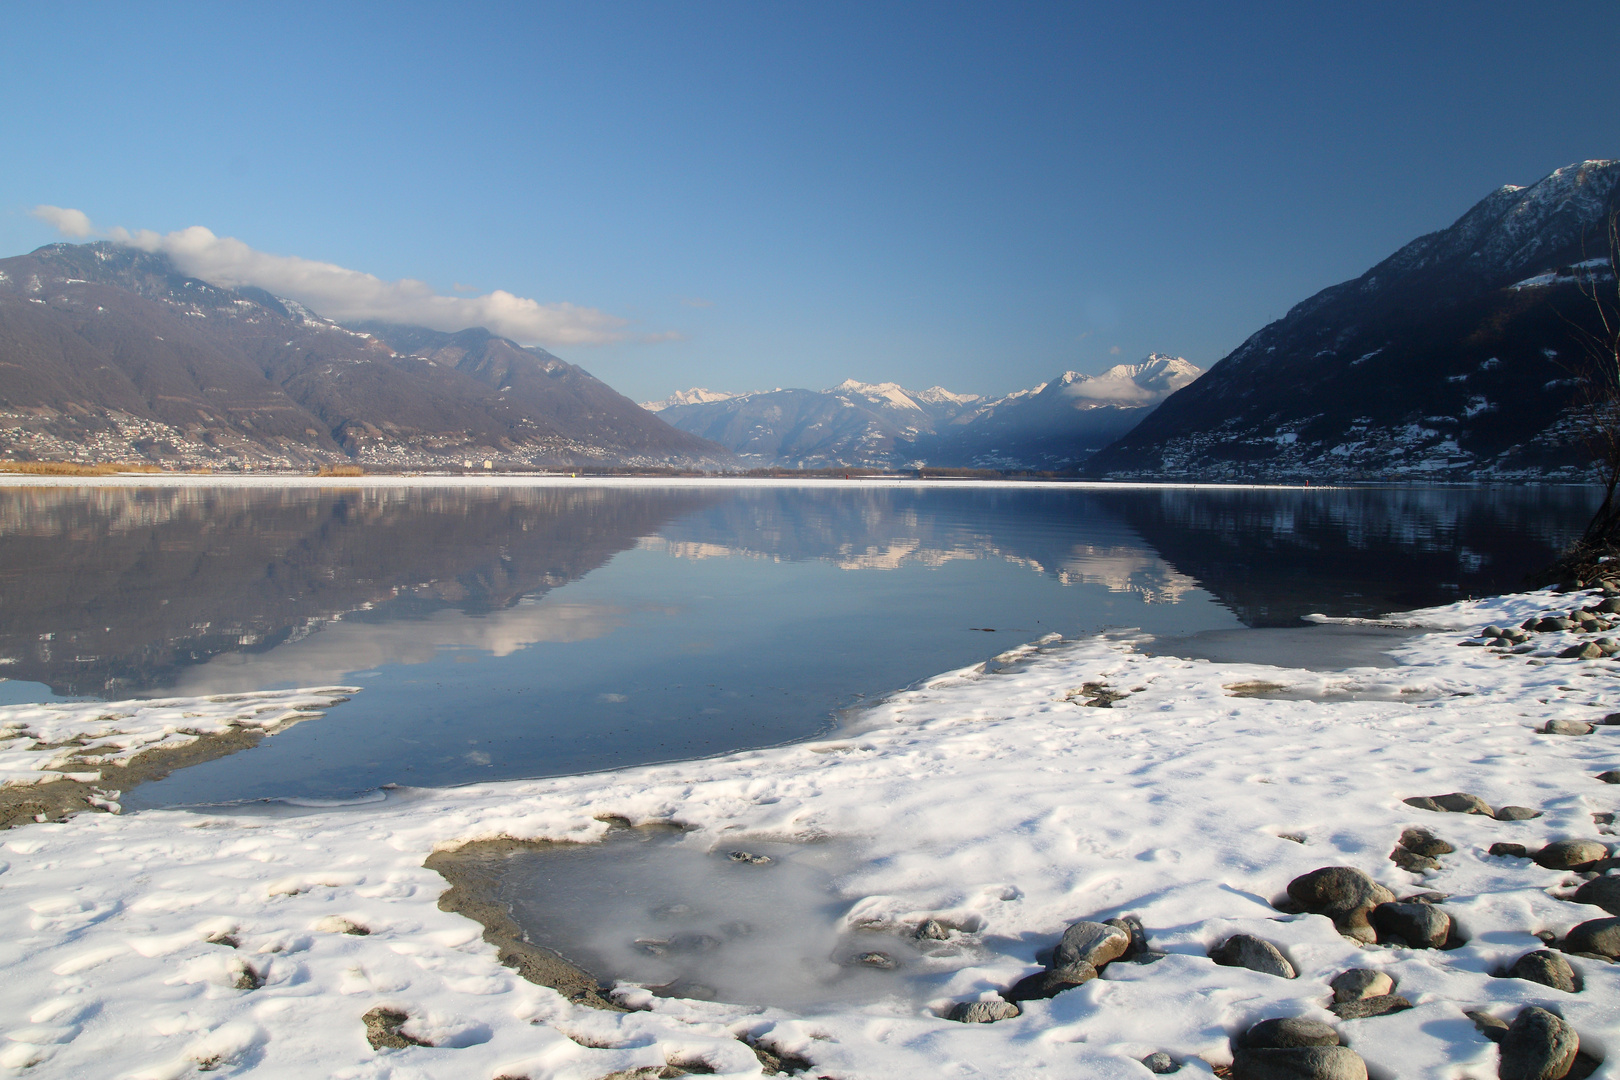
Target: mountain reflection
point(117, 591)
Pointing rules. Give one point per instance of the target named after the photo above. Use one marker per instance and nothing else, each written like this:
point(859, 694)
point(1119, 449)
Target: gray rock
point(1545, 967)
point(749, 858)
point(1457, 802)
point(1284, 1031)
point(1610, 719)
point(1516, 813)
point(982, 1012)
point(1424, 842)
point(1345, 895)
point(1598, 936)
point(1570, 854)
point(1538, 1045)
point(1256, 954)
point(1612, 776)
point(1382, 1005)
point(1359, 983)
point(1488, 1025)
point(1491, 631)
point(1131, 925)
point(1586, 650)
point(1412, 862)
point(1092, 942)
point(1160, 1064)
point(1051, 982)
point(1603, 892)
point(1420, 926)
point(932, 930)
point(1510, 851)
point(1559, 726)
point(1299, 1063)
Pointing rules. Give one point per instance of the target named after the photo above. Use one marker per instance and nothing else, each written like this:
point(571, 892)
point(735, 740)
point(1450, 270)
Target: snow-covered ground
point(994, 799)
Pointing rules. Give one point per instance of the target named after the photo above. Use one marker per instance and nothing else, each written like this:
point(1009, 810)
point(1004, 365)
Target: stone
point(1599, 936)
point(1510, 851)
point(1424, 842)
point(1412, 862)
point(1570, 854)
point(382, 1030)
point(749, 858)
point(1382, 1005)
point(1457, 802)
point(1420, 926)
point(1160, 1064)
point(1093, 942)
point(1558, 726)
point(1608, 606)
point(1051, 982)
point(1516, 813)
point(1131, 925)
point(1610, 777)
point(1488, 1025)
point(1603, 892)
point(1285, 1031)
point(1545, 967)
point(1586, 650)
point(1359, 983)
point(1538, 1045)
point(932, 930)
point(1299, 1063)
point(983, 1012)
point(1345, 895)
point(1256, 954)
point(1609, 719)
point(1491, 631)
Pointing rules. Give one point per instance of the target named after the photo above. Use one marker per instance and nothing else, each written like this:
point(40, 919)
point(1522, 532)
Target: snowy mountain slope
point(1451, 359)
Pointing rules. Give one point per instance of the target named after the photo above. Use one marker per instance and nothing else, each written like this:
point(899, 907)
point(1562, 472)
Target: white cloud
point(74, 223)
point(349, 295)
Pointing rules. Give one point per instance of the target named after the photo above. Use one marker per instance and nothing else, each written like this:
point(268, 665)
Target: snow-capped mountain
point(1054, 425)
point(695, 396)
point(1453, 358)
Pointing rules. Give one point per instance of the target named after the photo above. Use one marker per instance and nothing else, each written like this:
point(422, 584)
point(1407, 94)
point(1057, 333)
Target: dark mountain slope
point(1448, 360)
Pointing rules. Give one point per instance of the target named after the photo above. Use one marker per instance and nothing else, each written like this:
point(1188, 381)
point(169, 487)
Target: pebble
point(1516, 813)
point(983, 1012)
point(1588, 650)
point(1256, 954)
point(1570, 854)
point(1382, 1005)
point(1599, 936)
point(1051, 982)
point(1511, 851)
point(1412, 862)
point(1132, 926)
point(1545, 967)
point(932, 930)
point(1160, 1064)
point(750, 858)
point(1567, 727)
point(1457, 802)
point(1094, 943)
point(1419, 926)
point(1286, 1031)
point(1360, 983)
point(1603, 892)
point(1539, 1045)
point(1344, 894)
point(1424, 842)
point(1299, 1063)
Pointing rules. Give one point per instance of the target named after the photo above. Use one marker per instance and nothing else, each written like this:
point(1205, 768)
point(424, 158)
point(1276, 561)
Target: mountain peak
point(1144, 383)
point(697, 395)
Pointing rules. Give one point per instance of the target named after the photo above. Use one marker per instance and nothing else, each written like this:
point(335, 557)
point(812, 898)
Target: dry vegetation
point(75, 468)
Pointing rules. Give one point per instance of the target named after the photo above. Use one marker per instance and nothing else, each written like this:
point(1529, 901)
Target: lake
point(543, 628)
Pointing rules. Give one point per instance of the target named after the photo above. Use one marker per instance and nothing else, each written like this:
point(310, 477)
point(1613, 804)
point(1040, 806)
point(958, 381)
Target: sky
point(746, 195)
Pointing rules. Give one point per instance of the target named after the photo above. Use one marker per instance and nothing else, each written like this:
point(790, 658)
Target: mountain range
point(1456, 358)
point(110, 353)
point(1055, 425)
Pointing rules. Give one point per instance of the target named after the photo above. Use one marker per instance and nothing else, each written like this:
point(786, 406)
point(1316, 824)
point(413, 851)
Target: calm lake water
point(519, 631)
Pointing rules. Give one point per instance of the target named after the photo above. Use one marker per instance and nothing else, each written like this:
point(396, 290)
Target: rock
point(1131, 925)
point(1093, 942)
point(1359, 983)
point(1424, 842)
point(1491, 631)
point(1610, 777)
point(1557, 726)
point(1412, 862)
point(1599, 936)
point(1256, 954)
point(1160, 1064)
point(1608, 606)
point(1511, 851)
point(880, 960)
point(1458, 802)
point(1051, 982)
point(1570, 854)
point(1344, 894)
point(1285, 1031)
point(1603, 892)
point(749, 858)
point(932, 930)
point(1586, 650)
point(382, 1030)
point(982, 1012)
point(1545, 967)
point(1488, 1025)
point(1539, 1045)
point(1299, 1063)
point(1609, 719)
point(1516, 813)
point(1382, 1005)
point(1420, 926)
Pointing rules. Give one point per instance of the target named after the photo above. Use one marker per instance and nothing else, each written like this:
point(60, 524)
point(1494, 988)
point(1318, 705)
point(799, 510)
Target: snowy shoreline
point(992, 799)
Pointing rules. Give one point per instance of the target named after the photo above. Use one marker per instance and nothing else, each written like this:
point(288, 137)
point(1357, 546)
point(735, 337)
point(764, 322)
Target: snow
point(1146, 383)
point(991, 798)
point(891, 394)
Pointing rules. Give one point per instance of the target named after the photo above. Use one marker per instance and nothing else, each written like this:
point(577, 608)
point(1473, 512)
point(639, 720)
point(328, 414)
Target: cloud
point(349, 295)
point(74, 223)
point(1113, 351)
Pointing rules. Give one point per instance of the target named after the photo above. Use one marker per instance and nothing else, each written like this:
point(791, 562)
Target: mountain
point(109, 353)
point(1453, 359)
point(695, 396)
point(1055, 425)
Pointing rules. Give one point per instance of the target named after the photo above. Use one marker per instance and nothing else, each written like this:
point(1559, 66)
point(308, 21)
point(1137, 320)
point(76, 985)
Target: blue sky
point(752, 195)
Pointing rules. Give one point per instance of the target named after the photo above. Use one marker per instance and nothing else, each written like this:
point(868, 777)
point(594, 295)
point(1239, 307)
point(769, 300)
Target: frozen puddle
point(750, 923)
point(1327, 647)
